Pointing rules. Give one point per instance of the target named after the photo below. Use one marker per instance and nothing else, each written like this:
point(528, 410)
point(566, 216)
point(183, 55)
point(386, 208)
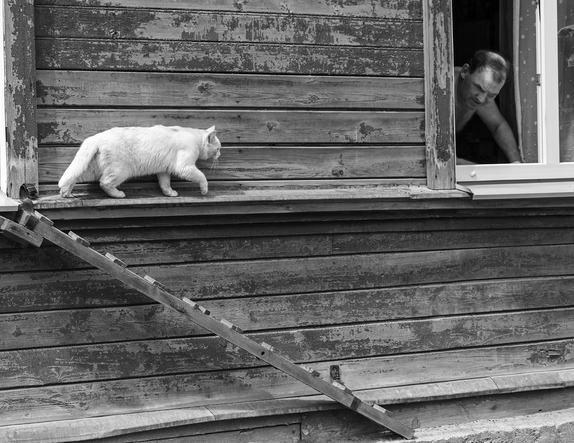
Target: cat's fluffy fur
point(118, 154)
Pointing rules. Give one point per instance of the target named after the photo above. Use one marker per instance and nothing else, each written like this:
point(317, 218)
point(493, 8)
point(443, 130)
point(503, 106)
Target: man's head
point(482, 78)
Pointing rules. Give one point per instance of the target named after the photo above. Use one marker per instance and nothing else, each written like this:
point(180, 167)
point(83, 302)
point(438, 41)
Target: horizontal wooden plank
point(28, 329)
point(181, 251)
point(554, 404)
point(194, 227)
point(153, 24)
point(139, 191)
point(184, 246)
point(156, 89)
point(334, 424)
point(389, 9)
point(283, 433)
point(169, 424)
point(351, 306)
point(148, 358)
point(188, 390)
point(310, 274)
point(72, 126)
point(274, 163)
point(165, 56)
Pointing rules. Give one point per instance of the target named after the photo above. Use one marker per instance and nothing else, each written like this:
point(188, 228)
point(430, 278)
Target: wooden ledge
point(110, 426)
point(89, 202)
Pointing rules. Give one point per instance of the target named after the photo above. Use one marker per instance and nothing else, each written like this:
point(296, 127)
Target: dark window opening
point(477, 26)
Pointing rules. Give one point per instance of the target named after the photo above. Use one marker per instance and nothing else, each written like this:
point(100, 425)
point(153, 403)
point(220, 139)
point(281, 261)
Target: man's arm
point(501, 131)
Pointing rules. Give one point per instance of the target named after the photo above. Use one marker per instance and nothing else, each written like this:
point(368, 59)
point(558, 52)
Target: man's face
point(479, 88)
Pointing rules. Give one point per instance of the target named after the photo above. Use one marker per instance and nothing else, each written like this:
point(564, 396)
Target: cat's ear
point(211, 134)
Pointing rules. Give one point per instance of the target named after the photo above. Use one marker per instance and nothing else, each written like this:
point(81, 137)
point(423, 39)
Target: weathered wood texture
point(461, 297)
point(339, 88)
point(19, 95)
point(388, 9)
point(439, 84)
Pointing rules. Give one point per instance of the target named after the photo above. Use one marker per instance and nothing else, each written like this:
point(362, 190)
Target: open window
point(545, 132)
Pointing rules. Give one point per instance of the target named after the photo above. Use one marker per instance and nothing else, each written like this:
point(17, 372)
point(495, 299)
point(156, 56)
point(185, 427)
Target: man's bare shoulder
point(489, 109)
point(490, 115)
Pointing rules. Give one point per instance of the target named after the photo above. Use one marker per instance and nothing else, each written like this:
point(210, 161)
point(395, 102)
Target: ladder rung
point(78, 239)
point(380, 409)
point(193, 304)
point(312, 371)
point(231, 326)
point(154, 282)
point(116, 260)
point(43, 218)
point(341, 387)
point(23, 217)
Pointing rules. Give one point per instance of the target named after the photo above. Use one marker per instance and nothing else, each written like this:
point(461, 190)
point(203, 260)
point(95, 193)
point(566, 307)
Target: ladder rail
point(224, 329)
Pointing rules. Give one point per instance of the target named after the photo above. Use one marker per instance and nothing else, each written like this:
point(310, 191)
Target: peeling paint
point(239, 4)
point(204, 87)
point(20, 102)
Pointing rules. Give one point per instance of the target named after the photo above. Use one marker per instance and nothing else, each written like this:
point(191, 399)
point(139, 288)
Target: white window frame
point(549, 166)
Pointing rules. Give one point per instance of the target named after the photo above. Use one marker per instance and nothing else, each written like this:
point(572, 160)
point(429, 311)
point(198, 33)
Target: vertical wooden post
point(439, 94)
point(20, 95)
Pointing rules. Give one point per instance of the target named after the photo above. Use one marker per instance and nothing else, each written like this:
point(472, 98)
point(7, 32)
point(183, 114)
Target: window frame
point(3, 148)
point(20, 96)
point(549, 166)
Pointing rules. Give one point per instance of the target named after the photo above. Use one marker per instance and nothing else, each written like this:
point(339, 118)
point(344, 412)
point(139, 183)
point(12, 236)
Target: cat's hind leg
point(193, 174)
point(109, 185)
point(164, 180)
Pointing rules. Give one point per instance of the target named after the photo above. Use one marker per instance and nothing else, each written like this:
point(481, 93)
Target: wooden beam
point(388, 9)
point(20, 96)
point(19, 233)
point(439, 94)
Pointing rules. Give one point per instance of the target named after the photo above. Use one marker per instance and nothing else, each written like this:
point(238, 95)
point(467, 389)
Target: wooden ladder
point(32, 227)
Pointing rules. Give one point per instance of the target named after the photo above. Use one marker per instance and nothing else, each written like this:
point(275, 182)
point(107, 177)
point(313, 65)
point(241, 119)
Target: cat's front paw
point(66, 191)
point(203, 189)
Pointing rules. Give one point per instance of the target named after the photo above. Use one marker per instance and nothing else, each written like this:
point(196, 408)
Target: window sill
point(519, 190)
point(7, 204)
point(90, 202)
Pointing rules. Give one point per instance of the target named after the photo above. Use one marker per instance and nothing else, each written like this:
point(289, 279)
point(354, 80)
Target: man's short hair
point(483, 59)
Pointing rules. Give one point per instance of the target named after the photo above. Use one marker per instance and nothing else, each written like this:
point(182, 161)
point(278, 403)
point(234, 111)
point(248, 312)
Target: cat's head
point(211, 145)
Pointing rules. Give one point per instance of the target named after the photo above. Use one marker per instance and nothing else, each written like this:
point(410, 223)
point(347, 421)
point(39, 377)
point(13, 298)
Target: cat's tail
point(80, 167)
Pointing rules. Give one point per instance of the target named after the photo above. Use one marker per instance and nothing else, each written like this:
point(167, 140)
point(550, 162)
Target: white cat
point(115, 155)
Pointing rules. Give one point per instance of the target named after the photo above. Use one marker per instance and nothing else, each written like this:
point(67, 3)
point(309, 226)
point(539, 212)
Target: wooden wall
point(298, 90)
point(395, 300)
